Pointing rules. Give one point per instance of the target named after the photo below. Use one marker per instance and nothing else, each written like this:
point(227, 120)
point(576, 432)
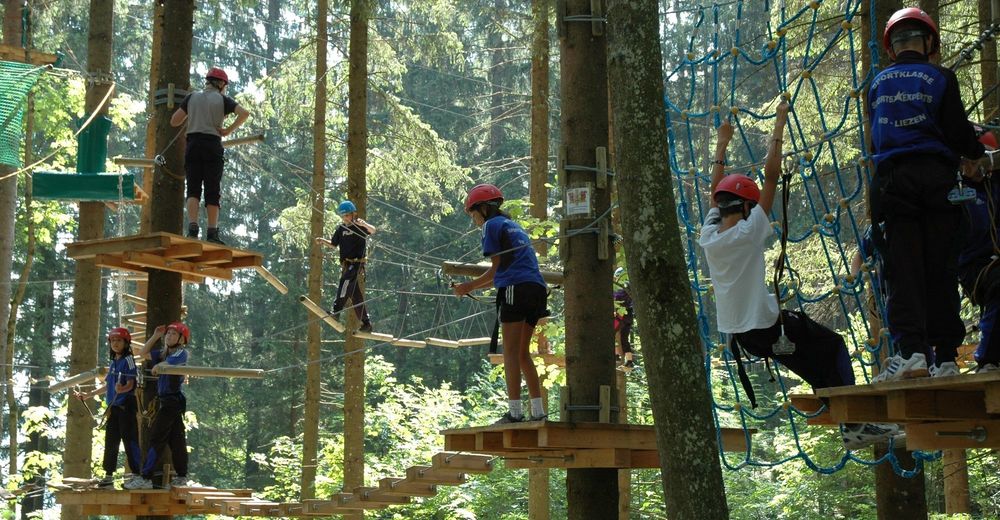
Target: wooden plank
point(403, 487)
point(28, 56)
point(260, 508)
point(564, 435)
point(964, 382)
point(92, 248)
point(115, 262)
point(430, 475)
point(520, 439)
point(374, 336)
point(182, 251)
point(858, 408)
point(76, 379)
point(463, 461)
point(930, 405)
point(174, 265)
point(931, 436)
point(472, 342)
point(271, 279)
point(460, 442)
point(992, 398)
point(412, 343)
point(187, 370)
point(734, 440)
point(438, 342)
point(373, 496)
point(474, 270)
point(810, 404)
point(220, 256)
point(577, 459)
point(320, 312)
point(244, 261)
point(490, 442)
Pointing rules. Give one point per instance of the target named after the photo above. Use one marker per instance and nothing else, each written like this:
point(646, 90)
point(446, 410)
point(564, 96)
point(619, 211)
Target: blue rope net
point(16, 79)
point(737, 60)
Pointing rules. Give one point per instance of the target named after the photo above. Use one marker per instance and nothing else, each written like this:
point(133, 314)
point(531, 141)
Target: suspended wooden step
point(546, 444)
point(955, 412)
point(175, 501)
point(194, 259)
point(547, 359)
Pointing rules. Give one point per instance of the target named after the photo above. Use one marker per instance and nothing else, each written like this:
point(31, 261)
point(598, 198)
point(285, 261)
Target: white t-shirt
point(736, 263)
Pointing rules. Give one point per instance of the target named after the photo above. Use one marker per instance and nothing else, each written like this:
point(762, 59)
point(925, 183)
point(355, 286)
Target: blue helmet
point(346, 207)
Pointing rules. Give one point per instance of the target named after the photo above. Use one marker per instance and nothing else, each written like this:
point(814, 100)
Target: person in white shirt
point(736, 233)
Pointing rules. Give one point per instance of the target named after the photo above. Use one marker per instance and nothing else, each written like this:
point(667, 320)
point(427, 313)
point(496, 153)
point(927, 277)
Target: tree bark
point(591, 493)
point(498, 54)
point(357, 192)
point(87, 289)
point(8, 204)
point(678, 391)
point(988, 62)
point(151, 125)
point(539, 193)
point(310, 428)
point(41, 362)
point(167, 198)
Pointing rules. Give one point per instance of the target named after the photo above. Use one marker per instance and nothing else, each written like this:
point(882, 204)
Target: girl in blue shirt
point(521, 294)
point(119, 390)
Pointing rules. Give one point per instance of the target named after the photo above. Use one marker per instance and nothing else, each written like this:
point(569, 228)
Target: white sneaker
point(897, 367)
point(988, 367)
point(946, 369)
point(858, 436)
point(138, 482)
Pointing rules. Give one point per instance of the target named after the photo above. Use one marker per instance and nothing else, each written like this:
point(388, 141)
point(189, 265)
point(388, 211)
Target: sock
point(515, 408)
point(537, 410)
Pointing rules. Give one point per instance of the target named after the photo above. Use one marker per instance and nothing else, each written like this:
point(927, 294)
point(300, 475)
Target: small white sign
point(578, 201)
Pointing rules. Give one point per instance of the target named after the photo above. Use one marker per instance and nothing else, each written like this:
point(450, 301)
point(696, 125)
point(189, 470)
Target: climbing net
point(737, 61)
point(16, 79)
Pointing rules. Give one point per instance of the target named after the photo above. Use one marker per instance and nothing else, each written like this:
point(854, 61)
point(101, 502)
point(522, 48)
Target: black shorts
point(523, 302)
point(203, 164)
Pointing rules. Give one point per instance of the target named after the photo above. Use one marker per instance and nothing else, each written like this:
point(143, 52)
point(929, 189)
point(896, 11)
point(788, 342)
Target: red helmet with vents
point(740, 185)
point(482, 193)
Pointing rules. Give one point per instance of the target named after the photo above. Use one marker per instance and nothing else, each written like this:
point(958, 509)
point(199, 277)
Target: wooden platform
point(194, 259)
point(547, 444)
point(31, 56)
point(939, 413)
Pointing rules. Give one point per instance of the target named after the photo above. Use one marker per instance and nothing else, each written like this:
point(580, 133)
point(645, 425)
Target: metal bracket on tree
point(596, 17)
point(170, 95)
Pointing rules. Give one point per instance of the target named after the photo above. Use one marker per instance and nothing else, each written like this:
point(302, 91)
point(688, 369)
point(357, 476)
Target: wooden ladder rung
point(467, 463)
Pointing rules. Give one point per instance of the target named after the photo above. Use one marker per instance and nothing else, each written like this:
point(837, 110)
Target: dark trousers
point(122, 427)
point(167, 430)
point(981, 282)
point(920, 248)
point(820, 356)
point(204, 161)
point(350, 289)
point(623, 327)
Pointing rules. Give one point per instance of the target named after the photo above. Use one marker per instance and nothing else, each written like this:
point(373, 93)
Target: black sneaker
point(508, 419)
point(193, 230)
point(366, 327)
point(534, 418)
point(106, 482)
point(212, 235)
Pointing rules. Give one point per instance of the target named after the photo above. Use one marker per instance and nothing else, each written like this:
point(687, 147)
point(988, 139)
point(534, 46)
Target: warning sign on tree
point(578, 201)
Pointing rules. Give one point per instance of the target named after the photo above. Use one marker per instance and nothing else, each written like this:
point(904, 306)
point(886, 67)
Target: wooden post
point(317, 198)
point(357, 192)
point(591, 493)
point(956, 482)
point(538, 482)
point(624, 475)
point(538, 192)
point(151, 125)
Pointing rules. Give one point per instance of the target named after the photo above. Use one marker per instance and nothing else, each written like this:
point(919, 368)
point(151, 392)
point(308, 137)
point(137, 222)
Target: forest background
point(449, 106)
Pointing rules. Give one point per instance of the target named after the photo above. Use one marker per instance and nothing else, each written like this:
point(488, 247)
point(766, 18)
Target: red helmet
point(910, 13)
point(986, 137)
point(740, 185)
point(217, 73)
point(120, 332)
point(482, 193)
point(181, 329)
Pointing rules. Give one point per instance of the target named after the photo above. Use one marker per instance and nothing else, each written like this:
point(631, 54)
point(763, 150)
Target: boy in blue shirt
point(119, 390)
point(920, 137)
point(521, 295)
point(351, 237)
point(167, 428)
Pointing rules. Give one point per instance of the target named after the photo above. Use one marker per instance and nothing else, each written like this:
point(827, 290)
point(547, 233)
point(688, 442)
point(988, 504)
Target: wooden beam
point(810, 404)
point(576, 459)
point(271, 279)
point(173, 265)
point(92, 248)
point(186, 370)
point(137, 162)
point(474, 270)
point(412, 343)
point(468, 463)
point(992, 398)
point(430, 475)
point(219, 256)
point(438, 342)
point(321, 313)
point(28, 56)
point(187, 250)
point(934, 405)
point(250, 139)
point(374, 336)
point(403, 487)
point(858, 408)
point(472, 342)
point(932, 436)
point(240, 262)
point(78, 379)
point(373, 496)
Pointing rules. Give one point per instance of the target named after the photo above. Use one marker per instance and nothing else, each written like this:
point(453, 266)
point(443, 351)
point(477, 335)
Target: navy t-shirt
point(518, 263)
point(169, 384)
point(351, 238)
point(121, 371)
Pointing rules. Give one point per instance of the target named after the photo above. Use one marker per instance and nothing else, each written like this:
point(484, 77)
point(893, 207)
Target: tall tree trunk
point(678, 390)
point(310, 429)
point(167, 198)
point(151, 125)
point(87, 288)
point(357, 192)
point(895, 496)
point(495, 44)
point(41, 363)
point(8, 205)
point(591, 493)
point(988, 61)
point(539, 194)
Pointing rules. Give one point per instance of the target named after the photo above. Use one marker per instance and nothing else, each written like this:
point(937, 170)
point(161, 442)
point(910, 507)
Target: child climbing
point(167, 428)
point(351, 236)
point(624, 317)
point(736, 233)
point(119, 396)
point(521, 295)
point(979, 273)
point(920, 137)
point(205, 113)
